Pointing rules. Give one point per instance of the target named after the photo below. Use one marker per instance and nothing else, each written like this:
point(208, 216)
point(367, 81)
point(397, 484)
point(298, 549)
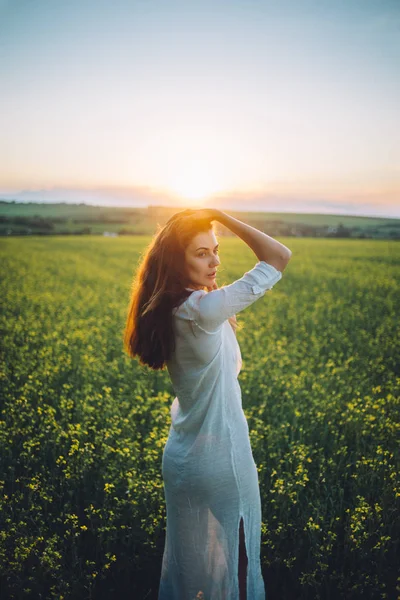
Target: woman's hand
point(203, 213)
point(213, 287)
point(211, 213)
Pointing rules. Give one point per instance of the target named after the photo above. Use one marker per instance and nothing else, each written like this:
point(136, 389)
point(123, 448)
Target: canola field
point(83, 426)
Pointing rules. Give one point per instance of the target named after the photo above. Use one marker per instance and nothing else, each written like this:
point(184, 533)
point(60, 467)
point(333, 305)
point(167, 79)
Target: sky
point(287, 106)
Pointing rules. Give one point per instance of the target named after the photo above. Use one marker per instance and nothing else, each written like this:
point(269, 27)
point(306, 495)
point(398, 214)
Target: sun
point(194, 183)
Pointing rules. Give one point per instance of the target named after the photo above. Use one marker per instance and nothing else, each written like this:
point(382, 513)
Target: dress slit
point(242, 562)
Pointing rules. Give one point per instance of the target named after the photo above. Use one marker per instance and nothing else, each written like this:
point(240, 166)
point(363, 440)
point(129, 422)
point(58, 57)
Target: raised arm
point(263, 246)
point(211, 309)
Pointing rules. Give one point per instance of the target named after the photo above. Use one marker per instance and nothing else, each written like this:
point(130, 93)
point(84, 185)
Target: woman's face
point(202, 260)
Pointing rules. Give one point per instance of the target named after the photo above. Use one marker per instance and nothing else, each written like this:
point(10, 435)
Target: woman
point(178, 317)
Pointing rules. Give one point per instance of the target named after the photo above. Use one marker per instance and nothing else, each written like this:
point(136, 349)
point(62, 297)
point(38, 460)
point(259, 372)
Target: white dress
point(210, 477)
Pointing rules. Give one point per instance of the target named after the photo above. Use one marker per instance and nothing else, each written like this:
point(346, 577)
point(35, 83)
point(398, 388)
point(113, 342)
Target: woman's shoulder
point(188, 307)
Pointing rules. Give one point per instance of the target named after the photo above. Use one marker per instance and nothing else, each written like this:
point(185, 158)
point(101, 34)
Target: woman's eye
point(203, 253)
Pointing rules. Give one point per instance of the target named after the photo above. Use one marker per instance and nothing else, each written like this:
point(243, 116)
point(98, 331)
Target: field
point(83, 426)
point(20, 218)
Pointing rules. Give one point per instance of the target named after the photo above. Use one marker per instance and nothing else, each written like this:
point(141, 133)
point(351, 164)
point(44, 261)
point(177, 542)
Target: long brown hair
point(158, 286)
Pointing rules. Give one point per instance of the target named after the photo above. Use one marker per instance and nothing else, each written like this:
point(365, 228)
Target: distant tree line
point(37, 225)
point(35, 222)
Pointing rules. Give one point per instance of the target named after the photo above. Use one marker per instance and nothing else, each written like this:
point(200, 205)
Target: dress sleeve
point(210, 310)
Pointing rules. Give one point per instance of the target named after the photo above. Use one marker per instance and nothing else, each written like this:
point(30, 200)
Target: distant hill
point(31, 218)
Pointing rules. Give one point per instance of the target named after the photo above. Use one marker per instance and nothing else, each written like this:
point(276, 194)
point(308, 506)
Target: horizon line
point(290, 212)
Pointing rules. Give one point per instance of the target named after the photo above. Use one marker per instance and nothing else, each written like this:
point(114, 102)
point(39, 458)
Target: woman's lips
point(212, 275)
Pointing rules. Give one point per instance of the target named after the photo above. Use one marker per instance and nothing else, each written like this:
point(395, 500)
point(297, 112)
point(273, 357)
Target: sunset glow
point(194, 181)
point(283, 108)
